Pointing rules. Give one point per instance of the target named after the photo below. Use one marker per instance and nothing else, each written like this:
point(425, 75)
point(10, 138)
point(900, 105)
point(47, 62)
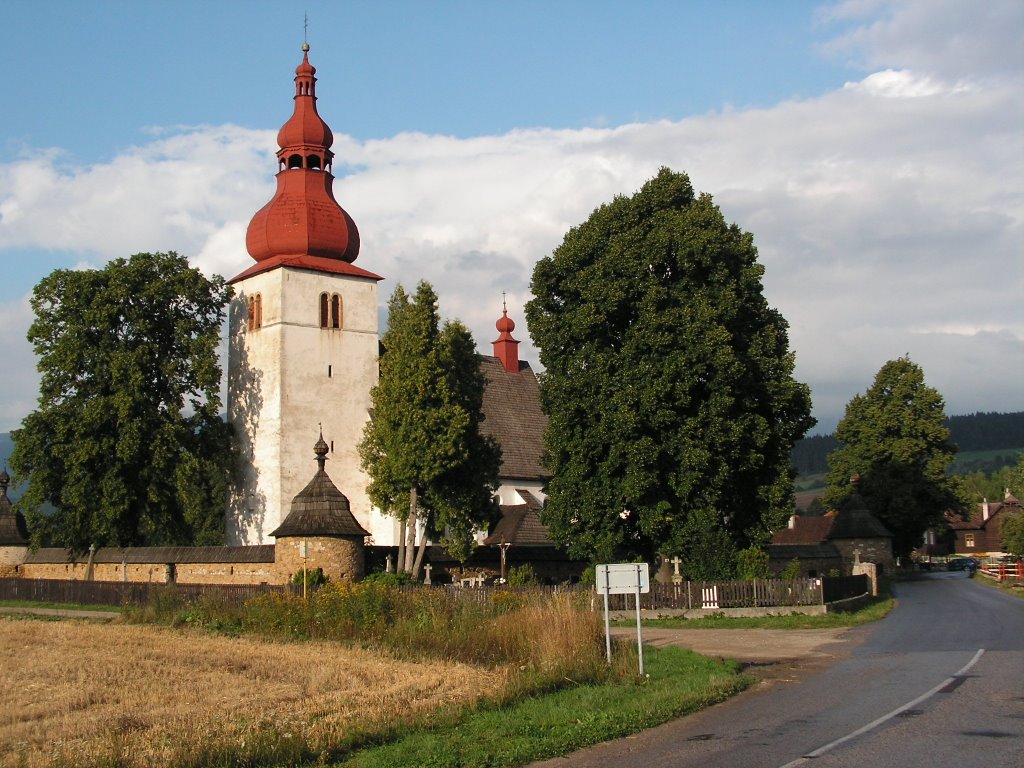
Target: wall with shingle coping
point(157, 573)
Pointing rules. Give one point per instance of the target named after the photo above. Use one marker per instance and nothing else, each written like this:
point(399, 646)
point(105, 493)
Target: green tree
point(429, 465)
point(1011, 528)
point(894, 437)
point(753, 563)
point(127, 442)
point(668, 385)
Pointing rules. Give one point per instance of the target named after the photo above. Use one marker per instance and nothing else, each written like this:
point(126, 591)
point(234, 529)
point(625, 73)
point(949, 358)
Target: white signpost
point(623, 579)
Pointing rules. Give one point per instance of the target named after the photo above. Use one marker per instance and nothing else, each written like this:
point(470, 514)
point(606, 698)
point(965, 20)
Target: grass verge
point(874, 611)
point(678, 682)
point(1015, 588)
point(57, 606)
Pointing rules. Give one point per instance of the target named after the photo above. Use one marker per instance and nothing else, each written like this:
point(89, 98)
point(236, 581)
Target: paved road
point(939, 682)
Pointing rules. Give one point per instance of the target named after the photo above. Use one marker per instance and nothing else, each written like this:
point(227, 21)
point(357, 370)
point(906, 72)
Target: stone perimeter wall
point(340, 559)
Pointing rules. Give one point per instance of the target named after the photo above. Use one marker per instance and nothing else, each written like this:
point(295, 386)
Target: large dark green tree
point(668, 383)
point(429, 464)
point(895, 438)
point(127, 443)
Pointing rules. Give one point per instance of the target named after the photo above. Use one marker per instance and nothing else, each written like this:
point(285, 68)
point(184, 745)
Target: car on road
point(963, 564)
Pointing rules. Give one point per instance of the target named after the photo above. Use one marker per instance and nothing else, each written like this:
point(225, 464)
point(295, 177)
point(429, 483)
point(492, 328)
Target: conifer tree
point(428, 463)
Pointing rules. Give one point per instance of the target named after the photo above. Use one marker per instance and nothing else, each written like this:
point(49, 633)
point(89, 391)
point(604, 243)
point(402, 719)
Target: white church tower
point(303, 335)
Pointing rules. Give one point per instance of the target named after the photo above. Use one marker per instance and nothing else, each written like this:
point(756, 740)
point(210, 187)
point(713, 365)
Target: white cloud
point(889, 214)
point(949, 38)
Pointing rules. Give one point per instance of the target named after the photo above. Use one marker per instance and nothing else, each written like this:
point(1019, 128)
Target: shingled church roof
point(512, 415)
point(320, 509)
point(520, 524)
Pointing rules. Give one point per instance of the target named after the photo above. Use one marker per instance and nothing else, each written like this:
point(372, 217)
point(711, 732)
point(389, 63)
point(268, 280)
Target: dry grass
point(78, 694)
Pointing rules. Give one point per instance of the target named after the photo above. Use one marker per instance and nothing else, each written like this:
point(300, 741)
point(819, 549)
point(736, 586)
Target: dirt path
point(748, 645)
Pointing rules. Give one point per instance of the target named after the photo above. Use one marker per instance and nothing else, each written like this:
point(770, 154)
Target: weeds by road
point(871, 612)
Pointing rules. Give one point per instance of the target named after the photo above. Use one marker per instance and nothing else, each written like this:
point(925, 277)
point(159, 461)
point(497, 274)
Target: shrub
point(395, 579)
point(792, 569)
point(752, 563)
point(522, 576)
point(314, 577)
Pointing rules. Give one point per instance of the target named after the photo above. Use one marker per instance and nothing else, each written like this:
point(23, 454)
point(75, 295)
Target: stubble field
point(82, 693)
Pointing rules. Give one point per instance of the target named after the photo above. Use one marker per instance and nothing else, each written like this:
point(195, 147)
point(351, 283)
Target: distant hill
point(991, 440)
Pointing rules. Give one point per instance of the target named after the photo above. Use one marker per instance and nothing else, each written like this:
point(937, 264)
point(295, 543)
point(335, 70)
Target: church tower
point(303, 334)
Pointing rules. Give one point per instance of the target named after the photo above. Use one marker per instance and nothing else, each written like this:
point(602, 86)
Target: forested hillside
point(971, 433)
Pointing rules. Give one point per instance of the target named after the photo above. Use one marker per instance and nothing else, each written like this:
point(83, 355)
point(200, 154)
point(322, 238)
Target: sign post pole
point(639, 637)
point(623, 579)
point(607, 630)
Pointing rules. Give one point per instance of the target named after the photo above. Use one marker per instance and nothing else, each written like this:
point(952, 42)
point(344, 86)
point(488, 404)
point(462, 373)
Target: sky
point(874, 149)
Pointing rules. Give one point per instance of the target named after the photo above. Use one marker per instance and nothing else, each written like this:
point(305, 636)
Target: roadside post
point(623, 579)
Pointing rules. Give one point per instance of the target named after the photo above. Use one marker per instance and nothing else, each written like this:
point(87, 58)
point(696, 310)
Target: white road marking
point(885, 718)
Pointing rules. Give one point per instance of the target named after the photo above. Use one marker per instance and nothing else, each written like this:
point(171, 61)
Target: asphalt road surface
point(937, 683)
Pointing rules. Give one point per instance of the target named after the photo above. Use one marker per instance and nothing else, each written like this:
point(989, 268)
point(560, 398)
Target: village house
point(838, 541)
point(979, 536)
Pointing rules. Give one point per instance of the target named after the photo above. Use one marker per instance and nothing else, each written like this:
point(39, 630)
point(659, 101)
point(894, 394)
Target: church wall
point(507, 491)
point(10, 559)
point(296, 376)
point(254, 406)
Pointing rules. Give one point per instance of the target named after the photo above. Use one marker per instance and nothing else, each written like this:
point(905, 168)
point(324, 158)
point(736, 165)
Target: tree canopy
point(127, 443)
point(429, 463)
point(668, 384)
point(1011, 530)
point(895, 438)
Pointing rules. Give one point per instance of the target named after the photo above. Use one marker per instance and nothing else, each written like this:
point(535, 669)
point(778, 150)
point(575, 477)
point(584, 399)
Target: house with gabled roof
point(836, 540)
point(980, 536)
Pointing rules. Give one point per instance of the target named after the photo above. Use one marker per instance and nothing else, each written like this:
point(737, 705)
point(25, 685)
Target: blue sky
point(873, 148)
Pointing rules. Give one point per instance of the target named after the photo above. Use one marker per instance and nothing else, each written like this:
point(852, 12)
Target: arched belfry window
point(313, 162)
point(294, 161)
point(330, 310)
point(255, 311)
point(335, 311)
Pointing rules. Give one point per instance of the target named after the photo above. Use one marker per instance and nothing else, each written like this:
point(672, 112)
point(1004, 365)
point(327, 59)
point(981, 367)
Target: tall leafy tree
point(895, 438)
point(668, 384)
point(429, 465)
point(127, 443)
point(1011, 529)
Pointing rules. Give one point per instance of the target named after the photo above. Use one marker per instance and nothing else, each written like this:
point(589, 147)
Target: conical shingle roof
point(320, 509)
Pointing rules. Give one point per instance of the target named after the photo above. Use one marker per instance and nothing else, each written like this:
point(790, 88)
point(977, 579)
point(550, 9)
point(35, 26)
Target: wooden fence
point(118, 593)
point(1004, 571)
point(710, 595)
point(689, 595)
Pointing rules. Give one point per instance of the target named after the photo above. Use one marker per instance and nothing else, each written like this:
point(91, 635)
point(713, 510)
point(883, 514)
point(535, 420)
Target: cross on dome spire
point(506, 348)
point(303, 219)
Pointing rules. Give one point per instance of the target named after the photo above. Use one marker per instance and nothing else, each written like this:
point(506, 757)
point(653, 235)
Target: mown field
point(82, 693)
